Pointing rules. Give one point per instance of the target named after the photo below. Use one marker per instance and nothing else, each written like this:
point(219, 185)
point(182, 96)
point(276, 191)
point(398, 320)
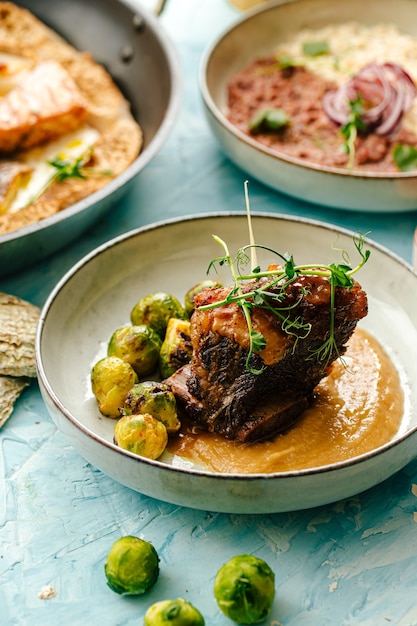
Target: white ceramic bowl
point(257, 34)
point(132, 45)
point(95, 298)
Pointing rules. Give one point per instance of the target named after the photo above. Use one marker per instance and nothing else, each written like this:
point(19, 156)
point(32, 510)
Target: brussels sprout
point(132, 566)
point(176, 349)
point(191, 293)
point(156, 399)
point(155, 310)
point(111, 379)
point(137, 345)
point(177, 612)
point(244, 589)
point(141, 434)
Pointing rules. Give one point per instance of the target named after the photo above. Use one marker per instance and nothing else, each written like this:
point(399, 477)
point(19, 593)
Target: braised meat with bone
point(221, 394)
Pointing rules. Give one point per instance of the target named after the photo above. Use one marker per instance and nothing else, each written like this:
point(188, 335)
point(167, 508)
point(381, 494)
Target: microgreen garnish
point(268, 120)
point(285, 61)
point(350, 129)
point(315, 48)
point(278, 279)
point(65, 169)
point(405, 157)
point(309, 49)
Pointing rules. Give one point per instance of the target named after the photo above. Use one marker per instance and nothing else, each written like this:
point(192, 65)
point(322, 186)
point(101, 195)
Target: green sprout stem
point(251, 236)
point(350, 129)
point(240, 297)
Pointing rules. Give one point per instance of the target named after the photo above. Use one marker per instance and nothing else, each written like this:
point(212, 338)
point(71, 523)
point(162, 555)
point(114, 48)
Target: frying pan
point(130, 42)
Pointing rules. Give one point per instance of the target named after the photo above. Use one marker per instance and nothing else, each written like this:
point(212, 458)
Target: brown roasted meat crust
point(217, 390)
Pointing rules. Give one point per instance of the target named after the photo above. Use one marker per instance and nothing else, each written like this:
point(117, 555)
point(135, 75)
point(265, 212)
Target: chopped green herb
point(65, 169)
point(405, 157)
point(310, 49)
point(350, 129)
point(285, 61)
point(315, 48)
point(268, 120)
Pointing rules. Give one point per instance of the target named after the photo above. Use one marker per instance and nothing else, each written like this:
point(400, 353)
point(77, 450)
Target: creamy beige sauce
point(358, 407)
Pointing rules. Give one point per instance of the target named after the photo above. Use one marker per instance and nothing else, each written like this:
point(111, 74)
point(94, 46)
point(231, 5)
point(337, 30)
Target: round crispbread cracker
point(18, 323)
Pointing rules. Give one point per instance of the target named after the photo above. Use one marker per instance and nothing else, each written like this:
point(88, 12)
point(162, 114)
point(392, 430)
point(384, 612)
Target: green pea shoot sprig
point(261, 296)
point(352, 126)
point(65, 169)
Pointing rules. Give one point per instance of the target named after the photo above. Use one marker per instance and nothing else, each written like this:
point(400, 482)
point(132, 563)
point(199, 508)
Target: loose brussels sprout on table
point(177, 612)
point(111, 379)
point(137, 345)
point(244, 589)
point(191, 293)
point(132, 566)
point(176, 349)
point(155, 309)
point(141, 434)
point(156, 399)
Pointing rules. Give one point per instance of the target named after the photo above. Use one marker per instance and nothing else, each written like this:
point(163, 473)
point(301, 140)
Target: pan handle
point(159, 6)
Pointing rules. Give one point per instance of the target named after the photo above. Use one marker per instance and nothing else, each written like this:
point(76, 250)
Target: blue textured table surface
point(349, 563)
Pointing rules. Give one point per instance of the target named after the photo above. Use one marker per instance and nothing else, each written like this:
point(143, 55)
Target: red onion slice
point(336, 110)
point(393, 114)
point(372, 85)
point(387, 90)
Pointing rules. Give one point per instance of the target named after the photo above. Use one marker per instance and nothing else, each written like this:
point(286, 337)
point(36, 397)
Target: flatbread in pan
point(119, 137)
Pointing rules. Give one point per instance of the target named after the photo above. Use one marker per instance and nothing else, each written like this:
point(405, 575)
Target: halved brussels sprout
point(137, 345)
point(156, 399)
point(244, 589)
point(141, 434)
point(111, 379)
point(132, 566)
point(176, 349)
point(191, 293)
point(177, 612)
point(155, 309)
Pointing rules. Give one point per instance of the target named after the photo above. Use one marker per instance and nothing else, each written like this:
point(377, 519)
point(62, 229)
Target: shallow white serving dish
point(257, 34)
point(96, 296)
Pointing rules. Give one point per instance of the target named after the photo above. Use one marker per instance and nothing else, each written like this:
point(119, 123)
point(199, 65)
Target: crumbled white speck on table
point(47, 592)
